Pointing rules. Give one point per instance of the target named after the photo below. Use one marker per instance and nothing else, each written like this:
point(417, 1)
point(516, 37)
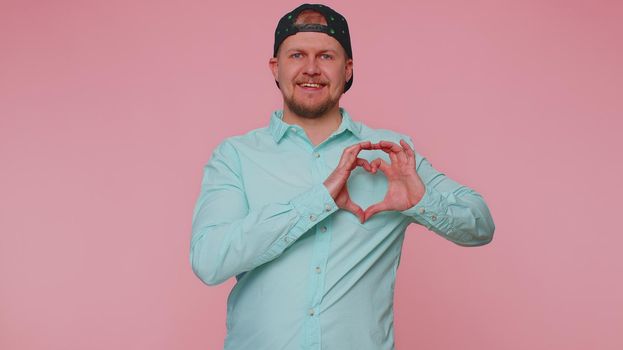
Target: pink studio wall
point(110, 109)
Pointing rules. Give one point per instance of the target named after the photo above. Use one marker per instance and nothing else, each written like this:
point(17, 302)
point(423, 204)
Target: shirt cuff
point(312, 206)
point(431, 211)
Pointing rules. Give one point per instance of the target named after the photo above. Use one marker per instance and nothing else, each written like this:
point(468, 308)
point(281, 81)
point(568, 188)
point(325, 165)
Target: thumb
point(373, 209)
point(355, 209)
point(379, 163)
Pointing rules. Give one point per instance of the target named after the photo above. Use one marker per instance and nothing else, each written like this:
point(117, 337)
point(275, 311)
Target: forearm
point(221, 249)
point(460, 216)
point(454, 211)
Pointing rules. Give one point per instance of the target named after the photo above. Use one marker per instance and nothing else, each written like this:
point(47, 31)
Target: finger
point(388, 146)
point(373, 209)
point(349, 155)
point(355, 209)
point(393, 157)
point(364, 163)
point(408, 151)
point(376, 164)
point(379, 163)
point(358, 147)
point(365, 144)
point(402, 156)
point(395, 151)
point(375, 145)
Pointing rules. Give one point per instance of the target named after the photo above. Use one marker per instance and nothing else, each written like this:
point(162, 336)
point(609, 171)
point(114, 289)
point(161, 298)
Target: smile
point(311, 86)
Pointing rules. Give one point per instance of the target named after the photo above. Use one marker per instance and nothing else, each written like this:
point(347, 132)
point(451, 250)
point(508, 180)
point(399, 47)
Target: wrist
point(416, 193)
point(331, 188)
point(415, 198)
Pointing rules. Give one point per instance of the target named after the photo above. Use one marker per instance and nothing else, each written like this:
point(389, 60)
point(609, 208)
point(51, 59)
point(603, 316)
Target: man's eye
point(325, 56)
point(296, 55)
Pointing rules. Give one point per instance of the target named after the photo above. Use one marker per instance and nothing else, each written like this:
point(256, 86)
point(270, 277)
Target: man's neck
point(317, 129)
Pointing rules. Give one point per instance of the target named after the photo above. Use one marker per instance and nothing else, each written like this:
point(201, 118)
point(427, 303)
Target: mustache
point(312, 81)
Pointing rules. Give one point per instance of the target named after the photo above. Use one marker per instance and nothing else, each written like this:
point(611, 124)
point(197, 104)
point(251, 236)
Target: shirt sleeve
point(228, 238)
point(453, 211)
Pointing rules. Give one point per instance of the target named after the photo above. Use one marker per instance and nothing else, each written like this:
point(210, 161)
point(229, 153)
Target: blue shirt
point(309, 275)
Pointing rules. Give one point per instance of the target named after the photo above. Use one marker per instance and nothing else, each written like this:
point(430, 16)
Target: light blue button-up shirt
point(309, 275)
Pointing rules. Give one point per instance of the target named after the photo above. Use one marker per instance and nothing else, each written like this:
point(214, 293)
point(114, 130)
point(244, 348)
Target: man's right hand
point(336, 182)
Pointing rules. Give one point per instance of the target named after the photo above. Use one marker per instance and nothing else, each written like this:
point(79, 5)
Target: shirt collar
point(278, 127)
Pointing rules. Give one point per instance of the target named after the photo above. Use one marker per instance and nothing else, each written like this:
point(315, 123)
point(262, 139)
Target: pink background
point(110, 109)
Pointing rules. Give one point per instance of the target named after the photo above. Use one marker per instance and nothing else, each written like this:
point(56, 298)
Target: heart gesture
point(404, 186)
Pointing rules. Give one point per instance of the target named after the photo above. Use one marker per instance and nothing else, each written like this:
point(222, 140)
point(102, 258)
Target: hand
point(404, 186)
point(336, 182)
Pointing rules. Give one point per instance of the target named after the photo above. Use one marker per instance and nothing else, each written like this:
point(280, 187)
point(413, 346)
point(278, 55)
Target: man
point(309, 213)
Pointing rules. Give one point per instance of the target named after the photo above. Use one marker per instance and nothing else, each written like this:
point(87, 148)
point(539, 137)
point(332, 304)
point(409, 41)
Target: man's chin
point(311, 111)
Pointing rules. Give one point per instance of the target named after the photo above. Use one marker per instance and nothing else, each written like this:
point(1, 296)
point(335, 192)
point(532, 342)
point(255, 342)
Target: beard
point(311, 112)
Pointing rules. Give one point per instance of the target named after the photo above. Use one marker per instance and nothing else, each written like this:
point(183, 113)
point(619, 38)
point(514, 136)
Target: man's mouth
point(310, 85)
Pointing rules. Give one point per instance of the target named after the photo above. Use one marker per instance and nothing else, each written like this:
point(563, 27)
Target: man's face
point(311, 69)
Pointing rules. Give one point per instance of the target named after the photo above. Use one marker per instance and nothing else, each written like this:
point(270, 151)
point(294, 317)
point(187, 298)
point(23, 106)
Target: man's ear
point(349, 69)
point(273, 64)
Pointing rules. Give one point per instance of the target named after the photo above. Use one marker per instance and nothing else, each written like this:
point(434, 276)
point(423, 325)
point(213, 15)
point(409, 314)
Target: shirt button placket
point(319, 258)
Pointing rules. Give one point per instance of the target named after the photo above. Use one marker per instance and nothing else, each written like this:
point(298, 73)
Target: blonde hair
point(310, 17)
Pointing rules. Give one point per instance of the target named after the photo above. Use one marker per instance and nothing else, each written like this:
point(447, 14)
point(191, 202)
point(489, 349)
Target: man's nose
point(311, 67)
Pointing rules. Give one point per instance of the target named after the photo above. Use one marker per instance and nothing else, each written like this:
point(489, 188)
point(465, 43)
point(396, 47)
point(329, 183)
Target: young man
point(309, 213)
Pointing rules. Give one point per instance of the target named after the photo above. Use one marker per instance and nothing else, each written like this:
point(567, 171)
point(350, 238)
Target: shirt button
point(422, 210)
point(293, 129)
point(433, 217)
point(323, 229)
point(312, 217)
point(318, 269)
point(311, 312)
point(286, 239)
point(327, 207)
point(316, 154)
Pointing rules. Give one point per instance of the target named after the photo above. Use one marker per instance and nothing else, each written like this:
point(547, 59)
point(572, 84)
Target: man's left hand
point(404, 186)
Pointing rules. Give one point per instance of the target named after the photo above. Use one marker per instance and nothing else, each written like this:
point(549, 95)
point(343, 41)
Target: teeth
point(310, 85)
